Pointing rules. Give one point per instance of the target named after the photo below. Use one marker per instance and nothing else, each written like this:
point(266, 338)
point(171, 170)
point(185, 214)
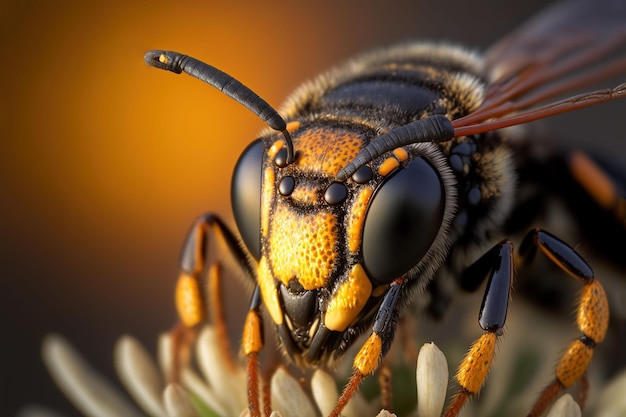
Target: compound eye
point(402, 221)
point(245, 194)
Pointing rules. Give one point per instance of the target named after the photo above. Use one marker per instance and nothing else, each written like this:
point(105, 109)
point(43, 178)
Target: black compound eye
point(402, 221)
point(245, 194)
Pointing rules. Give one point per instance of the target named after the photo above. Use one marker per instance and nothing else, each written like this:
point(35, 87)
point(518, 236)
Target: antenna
point(177, 63)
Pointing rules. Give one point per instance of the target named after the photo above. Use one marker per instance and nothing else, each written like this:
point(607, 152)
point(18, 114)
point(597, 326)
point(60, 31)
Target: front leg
point(375, 346)
point(497, 266)
point(195, 300)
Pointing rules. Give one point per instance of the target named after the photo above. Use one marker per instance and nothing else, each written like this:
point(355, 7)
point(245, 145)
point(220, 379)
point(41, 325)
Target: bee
point(386, 175)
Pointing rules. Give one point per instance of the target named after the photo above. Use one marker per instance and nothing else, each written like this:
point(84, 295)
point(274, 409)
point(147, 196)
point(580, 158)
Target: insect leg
point(191, 300)
point(375, 347)
point(384, 381)
point(252, 343)
point(497, 264)
point(595, 189)
point(592, 313)
point(597, 183)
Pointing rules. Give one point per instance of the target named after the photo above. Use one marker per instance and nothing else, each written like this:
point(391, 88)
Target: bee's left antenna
point(176, 62)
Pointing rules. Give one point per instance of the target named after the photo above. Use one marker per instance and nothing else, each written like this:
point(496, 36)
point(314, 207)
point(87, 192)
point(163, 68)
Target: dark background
point(104, 162)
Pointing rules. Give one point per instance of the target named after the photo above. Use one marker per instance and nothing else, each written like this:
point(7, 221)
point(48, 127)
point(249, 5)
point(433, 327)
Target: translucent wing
point(570, 45)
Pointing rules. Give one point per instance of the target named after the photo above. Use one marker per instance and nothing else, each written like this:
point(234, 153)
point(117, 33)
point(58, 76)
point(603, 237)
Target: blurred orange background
point(105, 162)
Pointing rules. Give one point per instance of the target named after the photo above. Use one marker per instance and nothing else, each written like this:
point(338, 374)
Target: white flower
point(217, 388)
point(431, 376)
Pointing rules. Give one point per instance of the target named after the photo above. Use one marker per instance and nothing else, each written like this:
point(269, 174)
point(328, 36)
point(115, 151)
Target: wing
point(571, 45)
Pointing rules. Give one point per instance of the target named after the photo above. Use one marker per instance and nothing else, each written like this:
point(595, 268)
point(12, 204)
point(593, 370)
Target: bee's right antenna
point(176, 62)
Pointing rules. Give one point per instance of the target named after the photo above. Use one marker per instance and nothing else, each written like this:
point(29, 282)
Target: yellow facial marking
point(303, 246)
point(356, 217)
point(387, 166)
point(293, 126)
point(366, 361)
point(401, 154)
point(269, 292)
point(349, 300)
point(189, 301)
point(276, 146)
point(266, 199)
point(475, 366)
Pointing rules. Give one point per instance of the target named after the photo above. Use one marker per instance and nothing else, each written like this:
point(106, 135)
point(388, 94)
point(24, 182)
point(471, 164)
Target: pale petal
point(194, 383)
point(188, 378)
point(165, 353)
point(178, 403)
point(89, 392)
point(358, 406)
point(565, 406)
point(385, 413)
point(288, 397)
point(325, 394)
point(227, 382)
point(432, 381)
point(324, 391)
point(612, 401)
point(140, 375)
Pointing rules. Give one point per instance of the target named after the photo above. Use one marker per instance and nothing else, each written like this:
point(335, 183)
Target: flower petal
point(565, 406)
point(140, 375)
point(93, 395)
point(228, 382)
point(324, 391)
point(188, 378)
point(178, 403)
point(325, 394)
point(431, 376)
point(358, 406)
point(612, 401)
point(288, 397)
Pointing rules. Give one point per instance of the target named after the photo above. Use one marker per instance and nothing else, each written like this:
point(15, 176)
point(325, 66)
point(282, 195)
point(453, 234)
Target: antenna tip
point(166, 60)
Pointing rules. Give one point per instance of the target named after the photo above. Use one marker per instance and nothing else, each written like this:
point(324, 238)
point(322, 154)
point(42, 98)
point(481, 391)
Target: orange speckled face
point(326, 151)
point(312, 280)
point(303, 247)
point(312, 275)
point(303, 239)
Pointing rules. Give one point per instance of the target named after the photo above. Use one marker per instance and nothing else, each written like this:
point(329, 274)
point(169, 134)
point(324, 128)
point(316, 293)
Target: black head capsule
point(177, 63)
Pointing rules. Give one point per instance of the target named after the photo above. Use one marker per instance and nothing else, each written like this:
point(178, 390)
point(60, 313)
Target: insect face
point(327, 250)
